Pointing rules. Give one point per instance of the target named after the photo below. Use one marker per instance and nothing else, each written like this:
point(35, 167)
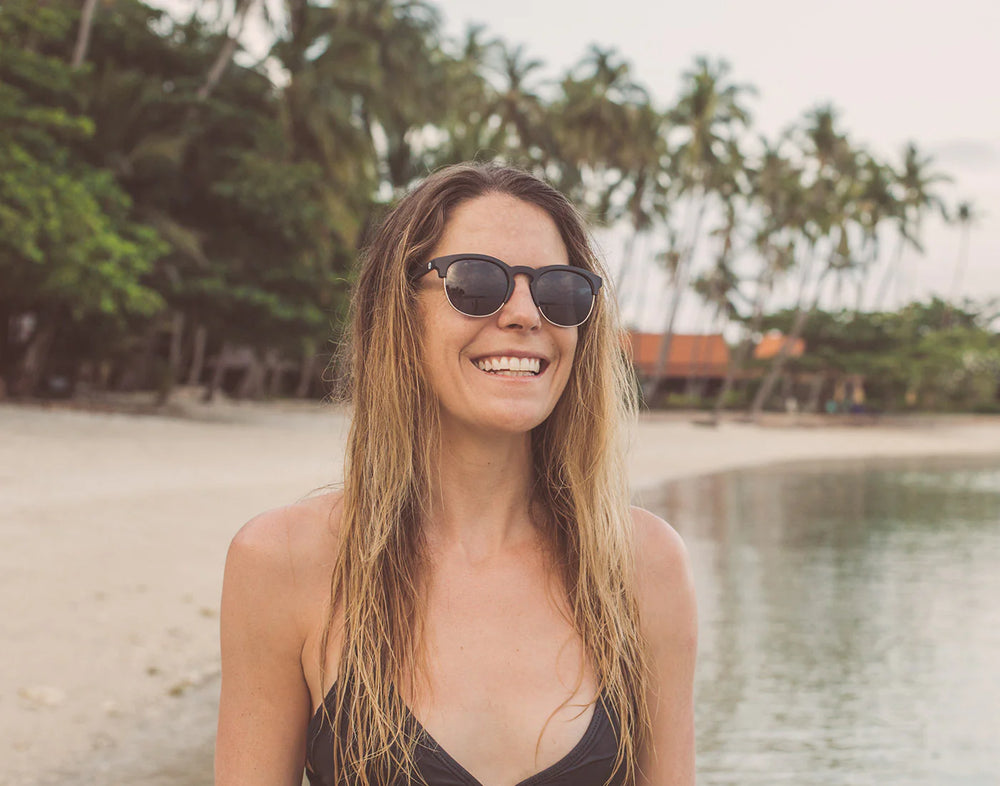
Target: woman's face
point(457, 348)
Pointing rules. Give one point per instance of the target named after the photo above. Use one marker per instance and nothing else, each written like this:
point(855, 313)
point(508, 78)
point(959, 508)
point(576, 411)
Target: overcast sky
point(896, 70)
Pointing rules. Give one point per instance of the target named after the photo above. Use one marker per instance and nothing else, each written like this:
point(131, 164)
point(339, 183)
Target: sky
point(896, 70)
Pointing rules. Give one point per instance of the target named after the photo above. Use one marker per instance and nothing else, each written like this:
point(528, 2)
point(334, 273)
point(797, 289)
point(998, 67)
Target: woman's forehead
point(502, 225)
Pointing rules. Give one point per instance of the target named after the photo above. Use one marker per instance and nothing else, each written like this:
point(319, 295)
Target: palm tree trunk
point(956, 281)
point(172, 371)
point(197, 355)
point(272, 372)
point(695, 386)
point(866, 272)
point(306, 371)
point(738, 361)
point(891, 272)
point(778, 365)
point(225, 55)
point(32, 365)
point(83, 33)
point(960, 265)
point(221, 361)
point(816, 387)
point(683, 274)
point(628, 256)
point(252, 384)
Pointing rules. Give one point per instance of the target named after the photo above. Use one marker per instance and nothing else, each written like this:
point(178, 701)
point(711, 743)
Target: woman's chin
point(510, 421)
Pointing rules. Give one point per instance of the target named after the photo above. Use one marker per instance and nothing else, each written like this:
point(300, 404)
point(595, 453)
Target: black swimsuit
point(589, 763)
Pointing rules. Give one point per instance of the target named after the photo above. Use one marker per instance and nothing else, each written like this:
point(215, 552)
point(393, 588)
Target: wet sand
point(113, 532)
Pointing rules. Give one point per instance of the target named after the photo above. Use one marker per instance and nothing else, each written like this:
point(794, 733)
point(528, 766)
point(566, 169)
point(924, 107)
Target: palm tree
point(877, 204)
point(719, 288)
point(965, 216)
point(597, 119)
point(520, 122)
point(647, 173)
point(466, 119)
point(234, 30)
point(830, 199)
point(914, 185)
point(408, 85)
point(707, 117)
point(612, 147)
point(83, 32)
point(275, 13)
point(776, 198)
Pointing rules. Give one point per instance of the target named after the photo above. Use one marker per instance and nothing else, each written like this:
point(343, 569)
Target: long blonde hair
point(391, 451)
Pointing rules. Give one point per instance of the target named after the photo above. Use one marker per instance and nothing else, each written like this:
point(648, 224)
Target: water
point(850, 623)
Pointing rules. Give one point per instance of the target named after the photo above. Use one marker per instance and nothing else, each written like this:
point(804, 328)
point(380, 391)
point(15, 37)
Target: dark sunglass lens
point(476, 287)
point(564, 297)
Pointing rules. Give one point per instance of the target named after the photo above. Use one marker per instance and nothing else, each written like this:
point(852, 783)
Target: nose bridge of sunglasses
point(522, 286)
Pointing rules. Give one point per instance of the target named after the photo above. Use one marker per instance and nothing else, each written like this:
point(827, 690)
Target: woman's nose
point(520, 311)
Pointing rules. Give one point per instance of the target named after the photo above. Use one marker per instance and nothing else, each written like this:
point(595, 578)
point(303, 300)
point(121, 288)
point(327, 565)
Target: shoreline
point(113, 531)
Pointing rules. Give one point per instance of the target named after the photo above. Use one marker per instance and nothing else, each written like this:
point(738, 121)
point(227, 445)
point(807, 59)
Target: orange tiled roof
point(691, 355)
point(770, 345)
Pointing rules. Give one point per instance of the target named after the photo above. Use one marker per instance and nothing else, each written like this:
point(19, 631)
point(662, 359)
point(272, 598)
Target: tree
point(877, 205)
point(965, 216)
point(466, 120)
point(914, 185)
point(83, 34)
point(601, 119)
point(708, 117)
point(519, 128)
point(906, 358)
point(830, 201)
point(71, 250)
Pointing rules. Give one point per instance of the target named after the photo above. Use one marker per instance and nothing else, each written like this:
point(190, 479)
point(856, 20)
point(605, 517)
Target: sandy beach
point(114, 528)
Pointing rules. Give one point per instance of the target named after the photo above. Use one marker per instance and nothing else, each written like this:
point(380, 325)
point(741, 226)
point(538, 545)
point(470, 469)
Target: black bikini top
point(589, 763)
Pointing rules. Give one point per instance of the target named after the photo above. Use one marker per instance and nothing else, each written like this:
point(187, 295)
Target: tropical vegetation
point(173, 208)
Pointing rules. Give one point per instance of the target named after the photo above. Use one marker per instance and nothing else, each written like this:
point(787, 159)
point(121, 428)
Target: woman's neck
point(481, 496)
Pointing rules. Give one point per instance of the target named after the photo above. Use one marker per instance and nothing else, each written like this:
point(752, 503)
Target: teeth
point(510, 366)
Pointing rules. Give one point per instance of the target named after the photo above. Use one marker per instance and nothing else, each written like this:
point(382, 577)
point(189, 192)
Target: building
point(771, 343)
point(696, 363)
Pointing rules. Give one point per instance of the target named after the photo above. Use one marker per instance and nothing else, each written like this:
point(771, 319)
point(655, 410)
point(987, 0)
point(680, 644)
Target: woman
point(480, 606)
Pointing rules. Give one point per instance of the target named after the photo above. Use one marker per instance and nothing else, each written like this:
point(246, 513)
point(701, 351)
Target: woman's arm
point(265, 705)
point(670, 626)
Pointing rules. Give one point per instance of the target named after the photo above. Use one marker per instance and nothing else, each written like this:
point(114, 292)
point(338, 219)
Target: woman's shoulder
point(282, 533)
point(665, 585)
point(286, 551)
point(658, 546)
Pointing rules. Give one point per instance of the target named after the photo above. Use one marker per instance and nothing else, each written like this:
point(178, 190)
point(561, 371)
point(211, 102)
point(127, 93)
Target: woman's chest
point(507, 688)
point(499, 625)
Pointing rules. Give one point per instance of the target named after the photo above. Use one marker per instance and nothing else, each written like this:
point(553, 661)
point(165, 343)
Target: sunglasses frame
point(441, 265)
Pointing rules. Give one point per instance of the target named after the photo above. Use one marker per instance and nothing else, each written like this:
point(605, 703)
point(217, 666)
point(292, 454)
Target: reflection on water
point(850, 622)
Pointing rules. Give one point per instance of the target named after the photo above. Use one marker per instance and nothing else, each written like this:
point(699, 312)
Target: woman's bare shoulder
point(657, 544)
point(281, 533)
point(288, 548)
point(663, 574)
point(272, 593)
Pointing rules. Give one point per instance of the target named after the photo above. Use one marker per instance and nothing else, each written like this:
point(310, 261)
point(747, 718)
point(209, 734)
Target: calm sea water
point(850, 622)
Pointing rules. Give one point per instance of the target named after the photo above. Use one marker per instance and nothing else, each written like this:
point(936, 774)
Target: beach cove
point(113, 532)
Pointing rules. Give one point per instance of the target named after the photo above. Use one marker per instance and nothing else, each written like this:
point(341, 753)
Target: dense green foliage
point(928, 356)
point(164, 200)
point(70, 247)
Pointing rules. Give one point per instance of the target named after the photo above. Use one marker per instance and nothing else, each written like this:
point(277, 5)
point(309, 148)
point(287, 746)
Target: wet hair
point(579, 484)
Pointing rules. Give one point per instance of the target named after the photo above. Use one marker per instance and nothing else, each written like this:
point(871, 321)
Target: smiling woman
point(480, 605)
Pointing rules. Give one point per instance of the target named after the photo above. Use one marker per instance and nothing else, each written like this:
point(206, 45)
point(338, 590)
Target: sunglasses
point(478, 285)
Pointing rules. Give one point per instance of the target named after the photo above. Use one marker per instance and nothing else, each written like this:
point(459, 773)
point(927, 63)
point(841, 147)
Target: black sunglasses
point(478, 285)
